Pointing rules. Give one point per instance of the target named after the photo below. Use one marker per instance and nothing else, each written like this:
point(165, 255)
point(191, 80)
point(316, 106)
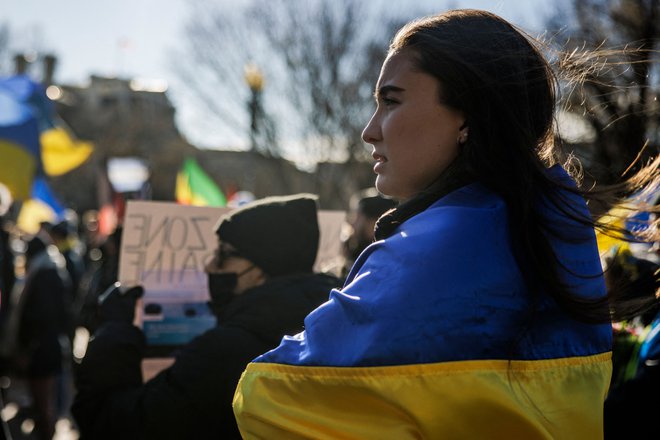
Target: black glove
point(117, 303)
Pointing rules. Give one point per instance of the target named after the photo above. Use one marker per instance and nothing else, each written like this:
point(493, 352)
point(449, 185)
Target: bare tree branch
point(320, 61)
point(612, 59)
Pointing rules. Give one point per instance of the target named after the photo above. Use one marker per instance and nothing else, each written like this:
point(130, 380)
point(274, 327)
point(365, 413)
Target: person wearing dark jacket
point(261, 286)
point(41, 324)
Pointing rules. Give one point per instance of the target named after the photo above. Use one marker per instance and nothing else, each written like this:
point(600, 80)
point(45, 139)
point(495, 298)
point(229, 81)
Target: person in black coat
point(42, 325)
point(261, 286)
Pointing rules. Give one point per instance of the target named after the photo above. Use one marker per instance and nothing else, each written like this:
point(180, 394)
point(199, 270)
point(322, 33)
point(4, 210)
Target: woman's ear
point(463, 133)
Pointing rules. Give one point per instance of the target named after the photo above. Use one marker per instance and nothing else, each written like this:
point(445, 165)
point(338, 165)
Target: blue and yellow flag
point(61, 153)
point(632, 216)
point(19, 135)
point(31, 143)
point(433, 336)
point(43, 206)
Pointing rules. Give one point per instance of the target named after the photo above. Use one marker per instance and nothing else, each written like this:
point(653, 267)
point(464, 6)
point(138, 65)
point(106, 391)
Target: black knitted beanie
point(278, 234)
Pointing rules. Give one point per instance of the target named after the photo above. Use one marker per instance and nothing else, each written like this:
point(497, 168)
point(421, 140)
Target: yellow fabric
point(184, 194)
point(195, 187)
point(182, 191)
point(549, 399)
point(32, 213)
point(17, 168)
point(615, 217)
point(61, 154)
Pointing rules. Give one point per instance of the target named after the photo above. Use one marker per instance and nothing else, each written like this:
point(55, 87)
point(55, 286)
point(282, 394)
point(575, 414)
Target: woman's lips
point(380, 162)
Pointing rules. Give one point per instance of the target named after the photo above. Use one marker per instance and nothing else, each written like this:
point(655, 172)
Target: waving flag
point(60, 153)
point(631, 216)
point(19, 134)
point(42, 206)
point(195, 187)
point(31, 143)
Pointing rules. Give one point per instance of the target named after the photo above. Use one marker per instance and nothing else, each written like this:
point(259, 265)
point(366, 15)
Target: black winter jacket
point(192, 398)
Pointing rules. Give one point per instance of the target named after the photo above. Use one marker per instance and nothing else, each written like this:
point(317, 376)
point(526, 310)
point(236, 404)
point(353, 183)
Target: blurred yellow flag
point(615, 217)
point(60, 154)
point(32, 213)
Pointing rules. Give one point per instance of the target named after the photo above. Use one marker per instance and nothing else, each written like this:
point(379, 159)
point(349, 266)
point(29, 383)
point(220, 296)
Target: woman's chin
point(383, 187)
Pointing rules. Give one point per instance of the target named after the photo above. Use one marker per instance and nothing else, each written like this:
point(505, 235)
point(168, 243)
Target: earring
point(463, 137)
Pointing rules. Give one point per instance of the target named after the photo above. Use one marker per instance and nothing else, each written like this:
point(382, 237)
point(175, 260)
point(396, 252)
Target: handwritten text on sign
point(167, 244)
point(165, 248)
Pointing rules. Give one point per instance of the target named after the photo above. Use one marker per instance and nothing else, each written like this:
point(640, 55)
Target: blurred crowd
point(51, 283)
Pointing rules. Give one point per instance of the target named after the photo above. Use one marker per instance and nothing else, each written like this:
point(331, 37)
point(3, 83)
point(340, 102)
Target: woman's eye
point(388, 102)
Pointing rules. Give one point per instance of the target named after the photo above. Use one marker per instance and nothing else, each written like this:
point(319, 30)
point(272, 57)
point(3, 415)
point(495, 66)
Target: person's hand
point(117, 303)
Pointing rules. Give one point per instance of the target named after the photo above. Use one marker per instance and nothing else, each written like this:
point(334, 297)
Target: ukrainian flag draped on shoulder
point(432, 337)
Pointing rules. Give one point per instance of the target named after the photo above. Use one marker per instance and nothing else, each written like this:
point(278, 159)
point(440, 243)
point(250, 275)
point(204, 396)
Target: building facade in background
point(124, 118)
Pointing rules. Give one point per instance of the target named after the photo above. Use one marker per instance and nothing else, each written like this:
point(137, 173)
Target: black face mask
point(222, 289)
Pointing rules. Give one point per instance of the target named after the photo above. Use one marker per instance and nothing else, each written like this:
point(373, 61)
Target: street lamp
point(255, 80)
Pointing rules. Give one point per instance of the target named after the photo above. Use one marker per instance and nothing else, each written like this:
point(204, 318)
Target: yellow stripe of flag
point(494, 399)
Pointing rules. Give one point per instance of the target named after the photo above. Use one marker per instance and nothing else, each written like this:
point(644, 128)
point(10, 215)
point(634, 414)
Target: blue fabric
point(650, 349)
point(41, 191)
point(33, 95)
point(639, 221)
point(446, 287)
point(25, 111)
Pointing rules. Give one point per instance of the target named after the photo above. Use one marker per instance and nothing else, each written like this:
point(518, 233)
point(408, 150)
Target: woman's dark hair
point(500, 80)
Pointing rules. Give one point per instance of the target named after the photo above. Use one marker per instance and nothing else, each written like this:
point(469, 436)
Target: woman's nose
point(371, 132)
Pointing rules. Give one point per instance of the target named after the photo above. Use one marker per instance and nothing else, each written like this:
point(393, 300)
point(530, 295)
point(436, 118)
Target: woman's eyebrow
point(384, 90)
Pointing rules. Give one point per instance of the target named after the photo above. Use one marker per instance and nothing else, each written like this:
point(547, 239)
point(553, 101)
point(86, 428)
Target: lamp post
point(255, 81)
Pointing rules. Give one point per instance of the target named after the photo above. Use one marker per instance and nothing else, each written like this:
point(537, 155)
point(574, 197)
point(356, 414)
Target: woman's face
point(414, 137)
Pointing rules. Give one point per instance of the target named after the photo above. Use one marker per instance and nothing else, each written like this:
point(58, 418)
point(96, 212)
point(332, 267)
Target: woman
point(473, 314)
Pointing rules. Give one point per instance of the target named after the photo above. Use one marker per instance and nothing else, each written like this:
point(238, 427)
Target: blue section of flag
point(25, 111)
point(12, 110)
point(446, 286)
point(33, 95)
point(42, 192)
point(639, 222)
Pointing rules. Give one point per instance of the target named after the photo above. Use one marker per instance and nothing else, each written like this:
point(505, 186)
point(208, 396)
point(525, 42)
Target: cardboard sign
point(165, 247)
point(329, 257)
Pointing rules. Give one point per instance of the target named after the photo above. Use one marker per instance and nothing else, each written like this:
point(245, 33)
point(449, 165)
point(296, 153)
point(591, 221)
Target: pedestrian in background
point(365, 208)
point(40, 320)
point(261, 285)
